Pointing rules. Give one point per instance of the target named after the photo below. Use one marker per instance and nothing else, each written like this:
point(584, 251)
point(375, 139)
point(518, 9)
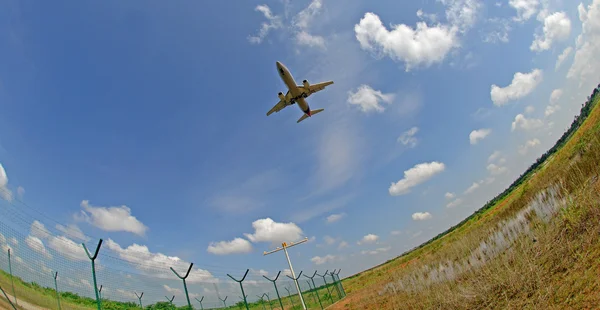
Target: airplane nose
point(278, 64)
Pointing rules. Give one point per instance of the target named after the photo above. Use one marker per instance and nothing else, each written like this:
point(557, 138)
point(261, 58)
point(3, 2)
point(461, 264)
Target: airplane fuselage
point(296, 94)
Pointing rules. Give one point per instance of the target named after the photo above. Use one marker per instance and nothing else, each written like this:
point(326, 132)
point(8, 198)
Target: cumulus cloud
point(274, 22)
point(521, 85)
point(408, 137)
point(421, 216)
point(562, 57)
point(478, 135)
point(523, 149)
point(524, 123)
point(235, 246)
point(472, 188)
point(116, 218)
point(335, 217)
point(20, 192)
point(529, 109)
point(267, 230)
point(416, 175)
point(557, 28)
point(368, 239)
point(422, 46)
point(5, 193)
point(496, 170)
point(149, 262)
point(73, 231)
point(586, 61)
point(342, 245)
point(525, 8)
point(462, 14)
point(303, 20)
point(37, 245)
point(369, 99)
point(553, 106)
point(494, 156)
point(449, 195)
point(318, 260)
point(454, 203)
point(376, 251)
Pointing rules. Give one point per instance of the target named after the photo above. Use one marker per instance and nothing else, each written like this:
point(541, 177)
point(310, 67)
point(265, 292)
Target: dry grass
point(533, 249)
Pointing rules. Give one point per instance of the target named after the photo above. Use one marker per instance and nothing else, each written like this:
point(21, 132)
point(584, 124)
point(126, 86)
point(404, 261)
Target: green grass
point(555, 270)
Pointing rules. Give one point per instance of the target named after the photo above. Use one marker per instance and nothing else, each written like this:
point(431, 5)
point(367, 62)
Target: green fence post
point(223, 300)
point(11, 279)
point(56, 289)
point(340, 282)
point(241, 286)
point(290, 297)
point(100, 291)
point(311, 289)
point(269, 299)
point(276, 290)
point(200, 301)
point(262, 301)
point(337, 288)
point(171, 300)
point(326, 285)
point(93, 259)
point(10, 302)
point(296, 280)
point(184, 285)
point(312, 279)
point(139, 298)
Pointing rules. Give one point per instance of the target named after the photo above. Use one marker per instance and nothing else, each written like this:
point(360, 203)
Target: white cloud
point(73, 231)
point(586, 61)
point(395, 232)
point(303, 20)
point(267, 230)
point(421, 216)
point(521, 122)
point(37, 245)
point(523, 149)
point(343, 244)
point(335, 217)
point(408, 137)
point(494, 156)
point(529, 109)
point(260, 272)
point(369, 99)
point(376, 251)
point(553, 106)
point(472, 188)
point(423, 46)
point(449, 195)
point(235, 246)
point(500, 34)
point(112, 219)
point(149, 262)
point(20, 192)
point(368, 239)
point(496, 170)
point(68, 248)
point(562, 57)
point(462, 13)
point(274, 22)
point(525, 8)
point(318, 260)
point(416, 175)
point(477, 135)
point(329, 240)
point(454, 203)
point(557, 28)
point(521, 85)
point(5, 193)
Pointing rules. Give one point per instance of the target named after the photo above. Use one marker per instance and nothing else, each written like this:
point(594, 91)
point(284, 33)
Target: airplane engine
point(305, 84)
point(281, 96)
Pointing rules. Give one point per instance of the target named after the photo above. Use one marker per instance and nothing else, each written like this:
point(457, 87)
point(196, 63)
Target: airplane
point(297, 93)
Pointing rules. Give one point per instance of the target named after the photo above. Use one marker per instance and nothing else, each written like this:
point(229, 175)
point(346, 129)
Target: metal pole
point(93, 259)
point(340, 282)
point(200, 301)
point(337, 288)
point(223, 300)
point(276, 290)
point(290, 297)
point(100, 291)
point(297, 286)
point(139, 298)
point(170, 300)
point(11, 279)
point(310, 289)
point(285, 246)
point(326, 285)
point(269, 299)
point(262, 301)
point(241, 286)
point(187, 296)
point(56, 289)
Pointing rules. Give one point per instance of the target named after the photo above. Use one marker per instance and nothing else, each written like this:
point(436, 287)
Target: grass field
point(534, 246)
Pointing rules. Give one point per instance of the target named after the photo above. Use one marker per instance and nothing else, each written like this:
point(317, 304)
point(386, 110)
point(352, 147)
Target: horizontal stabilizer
point(312, 112)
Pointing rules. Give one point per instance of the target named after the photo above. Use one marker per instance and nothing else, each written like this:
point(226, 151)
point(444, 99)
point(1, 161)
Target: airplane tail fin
point(312, 112)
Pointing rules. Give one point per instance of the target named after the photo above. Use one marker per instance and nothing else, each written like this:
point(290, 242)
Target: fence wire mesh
point(48, 268)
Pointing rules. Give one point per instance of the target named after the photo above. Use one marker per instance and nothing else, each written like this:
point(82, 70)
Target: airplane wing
point(280, 105)
point(313, 88)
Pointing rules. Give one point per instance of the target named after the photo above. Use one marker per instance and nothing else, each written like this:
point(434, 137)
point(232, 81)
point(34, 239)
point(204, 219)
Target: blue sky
point(158, 111)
